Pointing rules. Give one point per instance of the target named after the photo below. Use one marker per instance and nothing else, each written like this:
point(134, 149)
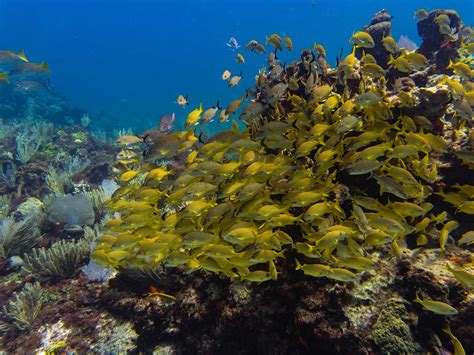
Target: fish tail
point(298, 265)
point(450, 64)
point(21, 55)
point(266, 39)
point(417, 299)
point(45, 66)
point(392, 60)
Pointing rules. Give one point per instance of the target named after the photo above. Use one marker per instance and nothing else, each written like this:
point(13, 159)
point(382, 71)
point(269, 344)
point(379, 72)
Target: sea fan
point(407, 43)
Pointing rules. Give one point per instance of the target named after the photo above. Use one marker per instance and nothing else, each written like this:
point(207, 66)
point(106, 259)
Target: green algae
point(392, 331)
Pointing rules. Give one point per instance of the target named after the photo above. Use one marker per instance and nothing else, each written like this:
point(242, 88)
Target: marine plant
point(29, 140)
point(58, 181)
point(97, 197)
point(25, 306)
point(18, 237)
point(335, 164)
point(59, 261)
point(4, 206)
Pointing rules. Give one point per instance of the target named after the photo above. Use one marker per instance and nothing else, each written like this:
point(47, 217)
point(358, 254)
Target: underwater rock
point(392, 331)
point(436, 47)
point(380, 27)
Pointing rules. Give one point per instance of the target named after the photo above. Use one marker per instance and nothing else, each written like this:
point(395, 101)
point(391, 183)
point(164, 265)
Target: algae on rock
point(391, 331)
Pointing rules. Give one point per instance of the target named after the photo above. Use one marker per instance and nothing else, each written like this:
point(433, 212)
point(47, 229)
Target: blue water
point(130, 59)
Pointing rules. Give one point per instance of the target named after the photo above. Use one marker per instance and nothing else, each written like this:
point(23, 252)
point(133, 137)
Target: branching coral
point(60, 261)
point(27, 145)
point(58, 181)
point(19, 237)
point(25, 306)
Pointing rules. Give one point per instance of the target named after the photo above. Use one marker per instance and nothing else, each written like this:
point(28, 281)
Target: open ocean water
point(131, 59)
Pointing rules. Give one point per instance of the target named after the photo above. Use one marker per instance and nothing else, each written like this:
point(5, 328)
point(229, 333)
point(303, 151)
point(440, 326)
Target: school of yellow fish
point(331, 169)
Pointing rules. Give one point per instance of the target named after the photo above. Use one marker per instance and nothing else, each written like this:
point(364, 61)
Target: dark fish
point(166, 123)
point(30, 86)
point(27, 68)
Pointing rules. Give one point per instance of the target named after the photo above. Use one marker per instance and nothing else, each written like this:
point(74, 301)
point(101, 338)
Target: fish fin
point(218, 106)
point(298, 265)
point(417, 299)
point(21, 55)
point(45, 66)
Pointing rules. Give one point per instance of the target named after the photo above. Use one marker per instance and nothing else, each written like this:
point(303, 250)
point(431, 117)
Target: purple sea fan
point(96, 273)
point(407, 43)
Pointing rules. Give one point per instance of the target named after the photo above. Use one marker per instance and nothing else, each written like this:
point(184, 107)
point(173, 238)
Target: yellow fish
point(193, 117)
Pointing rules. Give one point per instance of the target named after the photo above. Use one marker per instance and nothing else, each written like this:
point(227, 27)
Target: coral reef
point(60, 260)
point(313, 230)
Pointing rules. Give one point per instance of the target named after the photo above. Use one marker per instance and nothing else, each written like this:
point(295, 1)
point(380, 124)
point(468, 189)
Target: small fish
point(421, 14)
point(442, 19)
point(458, 348)
point(240, 58)
point(436, 306)
point(193, 117)
point(127, 154)
point(373, 70)
point(389, 44)
point(315, 270)
point(182, 101)
point(223, 116)
point(462, 69)
point(208, 115)
point(226, 75)
point(288, 43)
point(232, 44)
point(462, 276)
point(30, 86)
point(362, 39)
point(166, 123)
point(8, 57)
point(36, 68)
point(128, 140)
point(320, 50)
point(467, 238)
point(275, 41)
point(255, 46)
point(235, 80)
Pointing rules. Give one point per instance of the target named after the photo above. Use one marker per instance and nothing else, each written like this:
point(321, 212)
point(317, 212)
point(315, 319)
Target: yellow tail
point(21, 55)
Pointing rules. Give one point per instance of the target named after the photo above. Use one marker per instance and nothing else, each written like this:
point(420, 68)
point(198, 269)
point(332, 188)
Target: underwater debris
point(59, 261)
point(25, 306)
